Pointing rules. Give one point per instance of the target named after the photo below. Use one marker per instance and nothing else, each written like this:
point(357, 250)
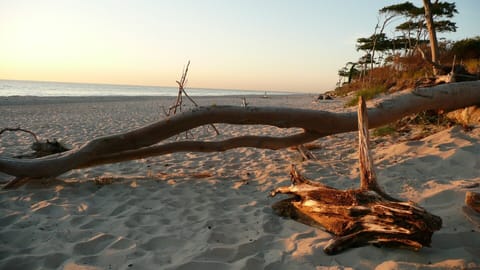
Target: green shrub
point(384, 131)
point(468, 48)
point(366, 93)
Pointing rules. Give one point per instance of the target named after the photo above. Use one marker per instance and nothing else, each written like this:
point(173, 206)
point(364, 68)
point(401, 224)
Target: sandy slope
point(212, 211)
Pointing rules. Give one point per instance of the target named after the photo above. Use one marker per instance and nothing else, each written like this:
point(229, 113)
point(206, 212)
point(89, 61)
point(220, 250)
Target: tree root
point(357, 217)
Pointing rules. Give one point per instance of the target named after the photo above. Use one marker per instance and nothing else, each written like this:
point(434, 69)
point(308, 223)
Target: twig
point(181, 92)
point(424, 57)
point(244, 102)
point(20, 129)
point(305, 153)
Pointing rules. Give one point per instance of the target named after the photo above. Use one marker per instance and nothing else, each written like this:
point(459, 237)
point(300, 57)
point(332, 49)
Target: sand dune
point(212, 210)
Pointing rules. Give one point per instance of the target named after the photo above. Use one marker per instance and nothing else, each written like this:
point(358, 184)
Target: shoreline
point(52, 89)
point(34, 100)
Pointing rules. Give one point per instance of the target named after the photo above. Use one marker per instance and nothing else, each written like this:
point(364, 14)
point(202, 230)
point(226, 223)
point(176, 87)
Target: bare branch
point(181, 92)
point(20, 129)
point(316, 124)
point(261, 142)
point(368, 178)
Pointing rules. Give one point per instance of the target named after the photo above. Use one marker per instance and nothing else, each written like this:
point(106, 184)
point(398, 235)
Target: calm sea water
point(49, 89)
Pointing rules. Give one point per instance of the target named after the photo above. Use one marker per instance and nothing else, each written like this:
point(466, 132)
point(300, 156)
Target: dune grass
point(366, 93)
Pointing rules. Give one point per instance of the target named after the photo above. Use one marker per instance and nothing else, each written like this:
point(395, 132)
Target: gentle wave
point(51, 89)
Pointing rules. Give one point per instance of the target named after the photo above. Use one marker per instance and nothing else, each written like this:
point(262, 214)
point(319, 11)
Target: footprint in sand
point(94, 245)
point(95, 223)
point(222, 254)
point(123, 243)
point(272, 225)
point(54, 260)
point(163, 243)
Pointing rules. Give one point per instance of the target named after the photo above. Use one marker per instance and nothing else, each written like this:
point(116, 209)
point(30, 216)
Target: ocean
point(52, 89)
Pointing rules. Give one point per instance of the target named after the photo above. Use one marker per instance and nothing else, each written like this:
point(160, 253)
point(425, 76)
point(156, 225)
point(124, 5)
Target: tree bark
point(427, 5)
point(141, 143)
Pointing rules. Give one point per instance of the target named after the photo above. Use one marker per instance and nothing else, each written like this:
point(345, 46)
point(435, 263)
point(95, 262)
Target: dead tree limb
point(181, 92)
point(41, 148)
point(368, 178)
point(20, 129)
point(426, 59)
point(262, 142)
point(357, 217)
point(305, 153)
point(315, 124)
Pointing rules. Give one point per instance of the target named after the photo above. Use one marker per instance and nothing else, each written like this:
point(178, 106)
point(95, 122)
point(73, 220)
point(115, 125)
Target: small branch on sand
point(20, 129)
point(357, 217)
point(304, 152)
point(41, 148)
point(181, 91)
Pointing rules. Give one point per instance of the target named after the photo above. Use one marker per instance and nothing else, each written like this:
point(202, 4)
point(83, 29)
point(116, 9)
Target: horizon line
point(163, 86)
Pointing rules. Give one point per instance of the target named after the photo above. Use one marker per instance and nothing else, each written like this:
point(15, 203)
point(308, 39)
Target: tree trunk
point(431, 33)
point(143, 142)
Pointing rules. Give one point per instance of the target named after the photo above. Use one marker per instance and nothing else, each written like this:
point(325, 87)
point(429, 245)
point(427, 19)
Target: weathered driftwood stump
point(472, 207)
point(472, 200)
point(358, 217)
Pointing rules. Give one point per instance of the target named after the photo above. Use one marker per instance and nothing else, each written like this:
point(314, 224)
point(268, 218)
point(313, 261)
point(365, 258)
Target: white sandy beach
point(213, 210)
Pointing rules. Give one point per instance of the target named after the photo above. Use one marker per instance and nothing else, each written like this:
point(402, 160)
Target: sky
point(274, 45)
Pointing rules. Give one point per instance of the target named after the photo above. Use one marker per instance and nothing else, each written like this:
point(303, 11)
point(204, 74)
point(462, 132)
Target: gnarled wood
point(357, 217)
point(472, 200)
point(368, 178)
point(472, 207)
point(142, 142)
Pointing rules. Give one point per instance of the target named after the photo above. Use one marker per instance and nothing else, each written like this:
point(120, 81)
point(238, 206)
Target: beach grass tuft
point(366, 93)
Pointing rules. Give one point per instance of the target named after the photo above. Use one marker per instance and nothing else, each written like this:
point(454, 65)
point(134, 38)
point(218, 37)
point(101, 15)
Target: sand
point(212, 210)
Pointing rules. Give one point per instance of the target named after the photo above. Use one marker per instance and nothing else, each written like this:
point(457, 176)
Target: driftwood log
point(146, 141)
point(357, 217)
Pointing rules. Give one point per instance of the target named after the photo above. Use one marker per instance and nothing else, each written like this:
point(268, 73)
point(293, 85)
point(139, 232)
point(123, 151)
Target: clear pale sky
point(290, 45)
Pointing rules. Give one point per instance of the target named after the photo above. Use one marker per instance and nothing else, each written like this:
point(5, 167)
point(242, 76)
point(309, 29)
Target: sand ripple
point(212, 210)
